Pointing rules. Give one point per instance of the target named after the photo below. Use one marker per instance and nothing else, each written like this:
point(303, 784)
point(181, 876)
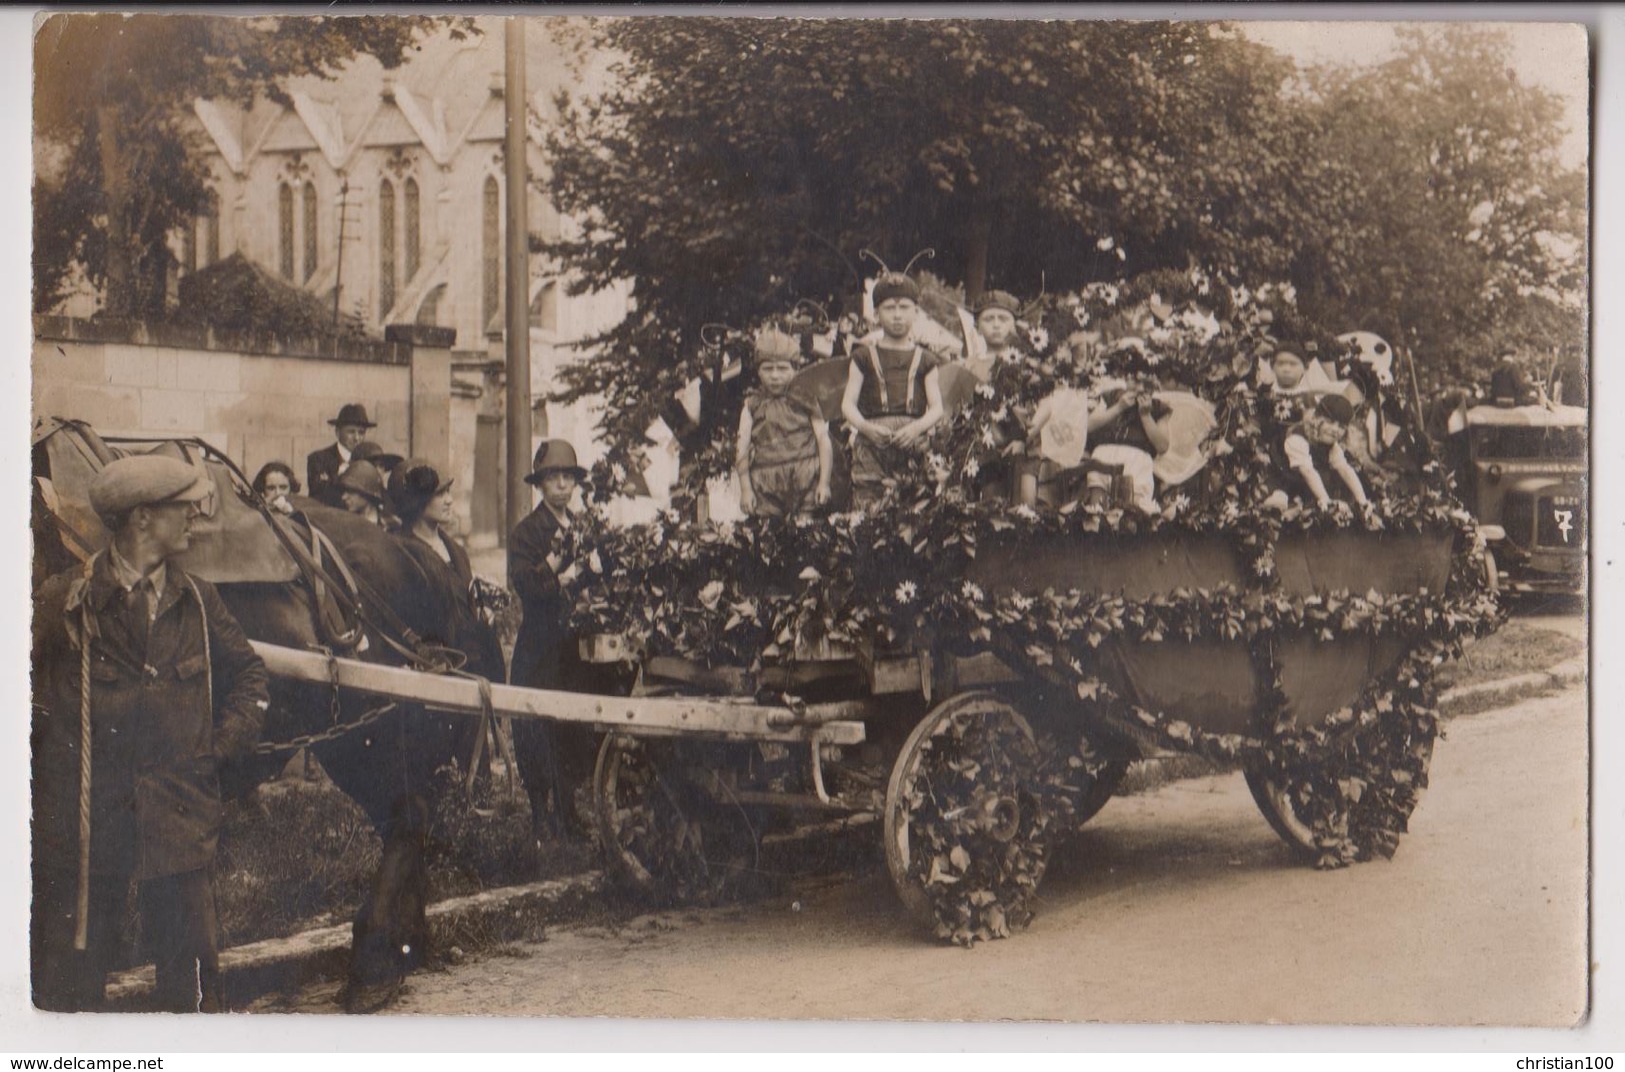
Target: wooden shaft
point(643, 715)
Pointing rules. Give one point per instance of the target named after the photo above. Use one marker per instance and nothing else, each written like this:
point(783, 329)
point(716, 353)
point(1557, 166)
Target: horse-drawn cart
point(1302, 653)
point(980, 761)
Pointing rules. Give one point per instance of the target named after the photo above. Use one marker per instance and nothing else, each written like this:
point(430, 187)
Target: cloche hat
point(555, 454)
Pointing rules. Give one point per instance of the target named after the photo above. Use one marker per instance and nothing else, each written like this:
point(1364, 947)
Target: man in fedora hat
point(144, 685)
point(546, 654)
point(322, 467)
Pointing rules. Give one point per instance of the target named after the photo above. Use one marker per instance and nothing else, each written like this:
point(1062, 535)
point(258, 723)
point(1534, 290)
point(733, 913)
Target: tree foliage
point(734, 166)
point(111, 102)
point(1449, 220)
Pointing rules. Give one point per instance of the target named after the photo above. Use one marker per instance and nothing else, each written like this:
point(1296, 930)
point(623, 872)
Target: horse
point(413, 611)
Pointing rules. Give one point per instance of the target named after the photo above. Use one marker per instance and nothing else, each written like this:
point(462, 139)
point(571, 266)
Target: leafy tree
point(111, 98)
point(1443, 215)
point(733, 164)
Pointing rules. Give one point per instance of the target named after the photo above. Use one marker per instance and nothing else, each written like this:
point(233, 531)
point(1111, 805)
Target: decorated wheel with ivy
point(662, 834)
point(1081, 781)
point(1320, 808)
point(1098, 787)
point(965, 825)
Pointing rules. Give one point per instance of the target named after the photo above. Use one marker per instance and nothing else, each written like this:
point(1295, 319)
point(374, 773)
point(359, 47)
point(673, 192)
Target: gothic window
point(492, 250)
point(284, 216)
point(412, 229)
point(386, 247)
point(189, 246)
point(544, 308)
point(212, 245)
point(312, 246)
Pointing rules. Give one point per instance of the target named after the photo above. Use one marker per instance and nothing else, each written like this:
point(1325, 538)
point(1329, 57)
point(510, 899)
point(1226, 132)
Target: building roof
point(446, 94)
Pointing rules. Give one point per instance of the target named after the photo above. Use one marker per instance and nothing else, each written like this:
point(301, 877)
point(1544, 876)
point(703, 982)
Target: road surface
point(1178, 905)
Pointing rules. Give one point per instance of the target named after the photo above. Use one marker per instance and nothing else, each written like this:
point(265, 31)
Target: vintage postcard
point(761, 518)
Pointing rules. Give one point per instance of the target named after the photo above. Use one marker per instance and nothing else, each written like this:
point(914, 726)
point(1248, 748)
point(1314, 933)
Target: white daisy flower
point(972, 591)
point(1039, 338)
point(972, 468)
point(906, 592)
point(988, 438)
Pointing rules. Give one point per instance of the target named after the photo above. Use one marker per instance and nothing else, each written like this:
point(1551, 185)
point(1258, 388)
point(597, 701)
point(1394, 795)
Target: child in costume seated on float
point(1312, 442)
point(784, 456)
point(993, 338)
point(893, 393)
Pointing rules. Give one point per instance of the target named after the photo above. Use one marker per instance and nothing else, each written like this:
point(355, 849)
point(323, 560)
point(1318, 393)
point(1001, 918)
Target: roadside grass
point(1516, 648)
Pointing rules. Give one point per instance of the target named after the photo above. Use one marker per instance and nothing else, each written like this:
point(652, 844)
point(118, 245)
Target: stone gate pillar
point(428, 431)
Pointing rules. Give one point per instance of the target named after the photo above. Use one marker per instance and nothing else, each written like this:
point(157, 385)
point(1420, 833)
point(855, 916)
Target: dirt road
point(1179, 905)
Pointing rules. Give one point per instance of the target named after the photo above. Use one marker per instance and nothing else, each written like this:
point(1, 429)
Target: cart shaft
point(653, 716)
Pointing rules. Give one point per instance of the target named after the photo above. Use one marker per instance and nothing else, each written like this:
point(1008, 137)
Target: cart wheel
point(1279, 802)
point(1275, 801)
point(663, 835)
point(1100, 786)
point(965, 829)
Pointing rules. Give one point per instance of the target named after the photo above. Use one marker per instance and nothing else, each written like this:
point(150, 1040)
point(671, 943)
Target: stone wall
point(257, 400)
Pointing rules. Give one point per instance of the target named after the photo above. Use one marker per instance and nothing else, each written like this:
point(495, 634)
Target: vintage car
point(1522, 470)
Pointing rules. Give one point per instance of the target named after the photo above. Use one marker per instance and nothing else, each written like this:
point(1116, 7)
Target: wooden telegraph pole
point(518, 499)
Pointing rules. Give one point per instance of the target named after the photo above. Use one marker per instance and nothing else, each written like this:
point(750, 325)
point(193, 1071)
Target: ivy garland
point(761, 591)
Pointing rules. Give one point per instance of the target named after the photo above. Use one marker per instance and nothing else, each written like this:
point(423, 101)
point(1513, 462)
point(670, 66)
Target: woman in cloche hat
point(546, 654)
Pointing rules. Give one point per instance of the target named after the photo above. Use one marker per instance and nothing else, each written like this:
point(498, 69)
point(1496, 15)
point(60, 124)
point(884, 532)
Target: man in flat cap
point(322, 467)
point(144, 685)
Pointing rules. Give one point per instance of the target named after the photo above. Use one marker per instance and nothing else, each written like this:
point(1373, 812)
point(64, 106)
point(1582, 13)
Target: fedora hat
point(555, 454)
point(352, 413)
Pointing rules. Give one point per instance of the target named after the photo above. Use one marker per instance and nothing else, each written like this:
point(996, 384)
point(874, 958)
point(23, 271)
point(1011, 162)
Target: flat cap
point(143, 480)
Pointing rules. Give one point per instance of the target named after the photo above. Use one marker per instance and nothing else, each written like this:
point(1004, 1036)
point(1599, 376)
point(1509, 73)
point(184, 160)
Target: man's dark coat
point(322, 474)
point(167, 707)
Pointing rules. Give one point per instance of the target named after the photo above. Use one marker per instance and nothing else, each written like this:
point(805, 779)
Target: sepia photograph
point(763, 516)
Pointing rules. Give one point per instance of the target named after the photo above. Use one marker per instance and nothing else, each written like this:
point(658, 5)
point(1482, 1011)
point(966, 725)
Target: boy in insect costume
point(893, 393)
point(784, 456)
point(996, 312)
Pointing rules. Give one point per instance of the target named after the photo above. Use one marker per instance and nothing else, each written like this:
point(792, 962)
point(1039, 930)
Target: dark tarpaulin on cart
point(1213, 685)
point(232, 544)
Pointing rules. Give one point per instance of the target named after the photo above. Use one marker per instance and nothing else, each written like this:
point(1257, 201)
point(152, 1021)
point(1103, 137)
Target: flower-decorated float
point(1012, 631)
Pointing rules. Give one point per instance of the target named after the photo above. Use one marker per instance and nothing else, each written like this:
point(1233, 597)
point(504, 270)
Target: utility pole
point(518, 499)
point(338, 279)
